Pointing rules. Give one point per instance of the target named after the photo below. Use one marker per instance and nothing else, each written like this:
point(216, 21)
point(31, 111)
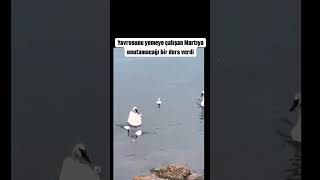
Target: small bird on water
point(159, 103)
point(136, 135)
point(202, 102)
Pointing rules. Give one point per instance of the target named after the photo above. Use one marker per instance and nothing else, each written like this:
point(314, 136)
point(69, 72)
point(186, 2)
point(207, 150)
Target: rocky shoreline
point(171, 172)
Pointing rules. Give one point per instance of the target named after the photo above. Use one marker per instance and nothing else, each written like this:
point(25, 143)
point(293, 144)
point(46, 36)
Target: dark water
point(176, 129)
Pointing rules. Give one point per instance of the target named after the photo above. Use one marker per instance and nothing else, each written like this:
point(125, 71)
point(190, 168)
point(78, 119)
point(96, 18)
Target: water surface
point(177, 128)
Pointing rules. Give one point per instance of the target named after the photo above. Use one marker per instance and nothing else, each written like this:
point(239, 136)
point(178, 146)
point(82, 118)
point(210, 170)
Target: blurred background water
point(176, 128)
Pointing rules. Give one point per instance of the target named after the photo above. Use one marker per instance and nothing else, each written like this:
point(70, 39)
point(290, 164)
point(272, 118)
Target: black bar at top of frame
point(160, 19)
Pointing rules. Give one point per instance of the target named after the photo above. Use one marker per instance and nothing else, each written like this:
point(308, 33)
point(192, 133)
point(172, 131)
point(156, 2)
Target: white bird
point(202, 102)
point(79, 166)
point(126, 127)
point(159, 103)
point(135, 119)
point(296, 130)
point(136, 135)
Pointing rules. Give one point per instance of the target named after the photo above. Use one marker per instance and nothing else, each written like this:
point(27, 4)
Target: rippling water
point(175, 130)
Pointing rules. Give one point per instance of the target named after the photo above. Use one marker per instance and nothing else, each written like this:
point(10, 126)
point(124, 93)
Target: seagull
point(137, 134)
point(202, 102)
point(159, 103)
point(79, 166)
point(134, 118)
point(296, 130)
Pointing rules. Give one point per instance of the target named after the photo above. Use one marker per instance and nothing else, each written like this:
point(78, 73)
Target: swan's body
point(134, 118)
point(202, 102)
point(159, 102)
point(78, 166)
point(296, 130)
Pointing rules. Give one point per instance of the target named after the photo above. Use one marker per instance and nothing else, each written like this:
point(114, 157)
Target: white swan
point(159, 102)
point(79, 166)
point(296, 130)
point(202, 102)
point(135, 119)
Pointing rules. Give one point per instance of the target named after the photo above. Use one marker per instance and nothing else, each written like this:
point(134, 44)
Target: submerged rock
point(171, 172)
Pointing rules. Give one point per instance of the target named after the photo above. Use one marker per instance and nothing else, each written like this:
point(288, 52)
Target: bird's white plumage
point(159, 101)
point(126, 127)
point(202, 102)
point(134, 119)
point(139, 133)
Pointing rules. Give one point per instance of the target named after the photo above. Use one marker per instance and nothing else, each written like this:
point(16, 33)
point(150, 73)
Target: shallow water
point(175, 130)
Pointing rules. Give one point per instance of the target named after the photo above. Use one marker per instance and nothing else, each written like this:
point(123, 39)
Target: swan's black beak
point(136, 111)
point(85, 156)
point(201, 95)
point(294, 105)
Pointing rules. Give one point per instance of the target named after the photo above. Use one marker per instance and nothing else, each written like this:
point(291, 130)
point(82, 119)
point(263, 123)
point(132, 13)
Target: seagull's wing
point(120, 125)
point(146, 132)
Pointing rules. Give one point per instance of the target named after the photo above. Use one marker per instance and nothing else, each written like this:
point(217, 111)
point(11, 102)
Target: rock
point(173, 172)
point(151, 177)
point(195, 176)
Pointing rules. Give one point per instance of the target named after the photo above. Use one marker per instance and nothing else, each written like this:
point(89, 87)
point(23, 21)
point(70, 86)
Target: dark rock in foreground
point(171, 172)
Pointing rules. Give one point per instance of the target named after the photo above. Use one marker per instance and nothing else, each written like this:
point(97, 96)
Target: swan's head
point(296, 102)
point(158, 99)
point(80, 152)
point(135, 109)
